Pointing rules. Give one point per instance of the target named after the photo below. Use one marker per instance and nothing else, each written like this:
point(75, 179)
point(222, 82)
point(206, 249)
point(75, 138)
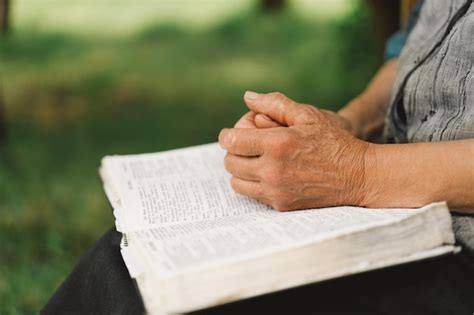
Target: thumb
point(277, 107)
point(247, 121)
point(263, 121)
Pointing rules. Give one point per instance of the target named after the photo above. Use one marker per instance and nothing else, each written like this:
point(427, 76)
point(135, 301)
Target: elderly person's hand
point(259, 120)
point(314, 162)
point(294, 156)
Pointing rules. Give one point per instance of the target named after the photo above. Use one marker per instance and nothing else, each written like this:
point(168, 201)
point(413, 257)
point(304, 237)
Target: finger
point(263, 121)
point(276, 106)
point(249, 188)
point(242, 166)
point(245, 142)
point(247, 121)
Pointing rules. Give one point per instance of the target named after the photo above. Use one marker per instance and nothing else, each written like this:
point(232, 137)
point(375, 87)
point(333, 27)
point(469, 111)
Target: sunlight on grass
point(324, 9)
point(72, 98)
point(121, 17)
point(126, 17)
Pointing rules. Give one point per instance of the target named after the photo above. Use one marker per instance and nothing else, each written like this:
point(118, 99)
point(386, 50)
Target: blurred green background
point(85, 78)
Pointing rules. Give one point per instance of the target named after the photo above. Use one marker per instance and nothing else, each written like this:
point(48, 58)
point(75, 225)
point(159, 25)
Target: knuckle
point(282, 143)
point(316, 112)
point(309, 110)
point(279, 98)
point(285, 139)
point(273, 176)
point(307, 114)
point(254, 146)
point(277, 95)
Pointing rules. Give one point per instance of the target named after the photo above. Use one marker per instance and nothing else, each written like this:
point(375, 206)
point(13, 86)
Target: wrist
point(350, 115)
point(372, 186)
point(396, 175)
point(365, 116)
point(355, 166)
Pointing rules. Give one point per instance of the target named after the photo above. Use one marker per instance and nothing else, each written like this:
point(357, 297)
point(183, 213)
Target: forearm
point(366, 113)
point(411, 175)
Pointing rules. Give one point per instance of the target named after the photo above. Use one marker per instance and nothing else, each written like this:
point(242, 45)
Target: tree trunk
point(407, 6)
point(4, 15)
point(3, 127)
point(4, 25)
point(386, 18)
point(273, 5)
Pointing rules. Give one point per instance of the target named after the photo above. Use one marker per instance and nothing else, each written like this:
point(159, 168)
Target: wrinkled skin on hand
point(254, 120)
point(294, 156)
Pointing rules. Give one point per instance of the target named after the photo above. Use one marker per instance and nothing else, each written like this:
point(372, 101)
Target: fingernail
point(250, 95)
point(228, 138)
point(225, 138)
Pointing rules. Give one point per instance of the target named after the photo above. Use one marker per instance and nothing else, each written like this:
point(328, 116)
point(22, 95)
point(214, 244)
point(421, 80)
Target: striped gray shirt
point(433, 94)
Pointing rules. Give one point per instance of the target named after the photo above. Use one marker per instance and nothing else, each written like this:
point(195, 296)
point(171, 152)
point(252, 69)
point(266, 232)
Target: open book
point(192, 243)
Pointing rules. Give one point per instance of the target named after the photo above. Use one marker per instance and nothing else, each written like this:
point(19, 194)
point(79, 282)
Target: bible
point(192, 243)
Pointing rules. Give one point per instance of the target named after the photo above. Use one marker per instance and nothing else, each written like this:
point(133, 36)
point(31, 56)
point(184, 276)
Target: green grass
point(72, 99)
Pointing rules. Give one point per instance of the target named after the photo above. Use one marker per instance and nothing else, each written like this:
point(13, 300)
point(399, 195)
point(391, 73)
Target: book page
point(180, 216)
point(176, 186)
point(193, 245)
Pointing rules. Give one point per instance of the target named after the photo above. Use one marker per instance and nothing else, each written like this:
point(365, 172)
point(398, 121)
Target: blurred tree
point(3, 130)
point(407, 6)
point(4, 15)
point(389, 16)
point(386, 17)
point(273, 5)
point(4, 24)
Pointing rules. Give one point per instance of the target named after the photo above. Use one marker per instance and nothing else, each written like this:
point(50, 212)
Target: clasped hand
point(294, 156)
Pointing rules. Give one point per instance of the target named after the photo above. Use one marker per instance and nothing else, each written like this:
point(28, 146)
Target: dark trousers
point(100, 284)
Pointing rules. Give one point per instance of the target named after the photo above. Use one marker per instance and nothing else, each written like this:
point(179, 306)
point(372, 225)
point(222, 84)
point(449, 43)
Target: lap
point(100, 284)
point(438, 286)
